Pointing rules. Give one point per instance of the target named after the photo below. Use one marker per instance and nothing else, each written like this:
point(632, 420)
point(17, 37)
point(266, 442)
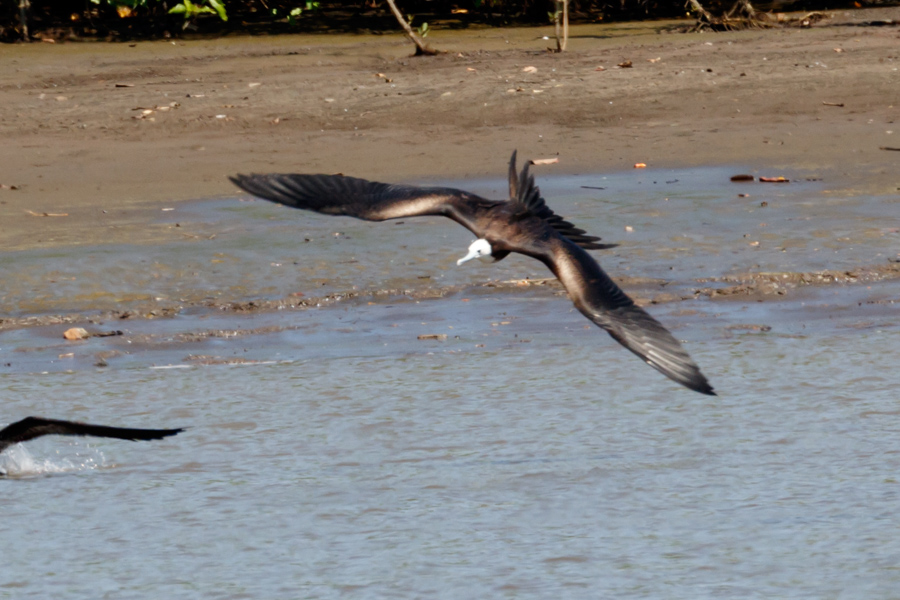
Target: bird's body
point(524, 224)
point(30, 428)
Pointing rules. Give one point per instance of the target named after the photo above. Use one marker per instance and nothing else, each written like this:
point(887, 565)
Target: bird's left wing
point(33, 427)
point(363, 199)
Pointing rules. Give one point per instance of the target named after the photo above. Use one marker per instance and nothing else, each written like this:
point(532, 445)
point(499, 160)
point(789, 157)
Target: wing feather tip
point(699, 384)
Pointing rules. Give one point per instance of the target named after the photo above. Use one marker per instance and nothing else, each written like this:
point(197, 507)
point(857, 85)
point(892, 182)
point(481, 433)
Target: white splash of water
point(17, 462)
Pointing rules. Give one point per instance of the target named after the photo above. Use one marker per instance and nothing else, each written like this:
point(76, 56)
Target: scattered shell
point(76, 333)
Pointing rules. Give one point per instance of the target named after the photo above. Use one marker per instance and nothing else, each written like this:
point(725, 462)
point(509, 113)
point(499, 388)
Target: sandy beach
point(106, 134)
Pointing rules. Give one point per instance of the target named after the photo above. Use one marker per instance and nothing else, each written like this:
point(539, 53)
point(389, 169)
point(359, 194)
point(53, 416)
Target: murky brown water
point(333, 454)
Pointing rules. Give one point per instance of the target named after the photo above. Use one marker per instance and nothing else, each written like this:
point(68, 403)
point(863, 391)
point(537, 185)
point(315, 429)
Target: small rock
point(76, 333)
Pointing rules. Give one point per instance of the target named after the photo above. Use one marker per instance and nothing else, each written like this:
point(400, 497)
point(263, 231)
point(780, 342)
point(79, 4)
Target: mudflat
point(106, 134)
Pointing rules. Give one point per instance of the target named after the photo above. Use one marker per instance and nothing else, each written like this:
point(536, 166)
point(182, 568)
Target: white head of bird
point(477, 249)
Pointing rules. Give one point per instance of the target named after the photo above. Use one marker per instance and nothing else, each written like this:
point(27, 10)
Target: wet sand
point(188, 113)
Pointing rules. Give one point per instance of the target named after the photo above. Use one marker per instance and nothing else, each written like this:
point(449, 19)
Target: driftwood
point(422, 49)
point(806, 20)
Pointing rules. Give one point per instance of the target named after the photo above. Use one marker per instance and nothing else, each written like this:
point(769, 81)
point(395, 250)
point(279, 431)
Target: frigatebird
point(523, 224)
point(34, 427)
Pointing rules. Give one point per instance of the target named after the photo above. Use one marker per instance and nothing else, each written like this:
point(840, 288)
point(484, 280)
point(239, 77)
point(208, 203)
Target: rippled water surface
point(525, 456)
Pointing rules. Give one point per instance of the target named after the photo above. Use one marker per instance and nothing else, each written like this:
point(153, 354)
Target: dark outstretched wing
point(363, 199)
point(526, 193)
point(603, 302)
point(33, 427)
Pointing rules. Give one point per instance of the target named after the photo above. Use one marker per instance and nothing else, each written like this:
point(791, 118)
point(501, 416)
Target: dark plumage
point(34, 427)
point(523, 224)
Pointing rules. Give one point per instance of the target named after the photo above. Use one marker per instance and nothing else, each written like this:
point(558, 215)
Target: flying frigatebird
point(523, 224)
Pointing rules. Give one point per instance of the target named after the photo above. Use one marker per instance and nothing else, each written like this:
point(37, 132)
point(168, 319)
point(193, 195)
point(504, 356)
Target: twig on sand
point(46, 214)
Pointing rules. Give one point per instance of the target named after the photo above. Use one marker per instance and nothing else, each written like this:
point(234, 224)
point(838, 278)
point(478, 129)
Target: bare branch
point(421, 47)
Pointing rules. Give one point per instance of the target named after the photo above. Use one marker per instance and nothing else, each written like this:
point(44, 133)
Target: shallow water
point(525, 456)
point(685, 225)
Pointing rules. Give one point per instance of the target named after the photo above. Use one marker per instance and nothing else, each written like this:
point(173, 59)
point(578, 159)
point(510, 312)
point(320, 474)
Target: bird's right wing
point(33, 427)
point(363, 199)
point(524, 192)
point(598, 298)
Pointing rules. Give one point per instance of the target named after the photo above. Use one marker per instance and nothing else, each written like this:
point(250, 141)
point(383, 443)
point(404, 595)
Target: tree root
point(743, 15)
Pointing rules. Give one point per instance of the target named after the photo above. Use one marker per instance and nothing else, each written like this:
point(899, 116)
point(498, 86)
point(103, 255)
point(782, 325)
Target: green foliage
point(297, 11)
point(219, 7)
point(185, 7)
point(191, 10)
point(127, 19)
point(422, 29)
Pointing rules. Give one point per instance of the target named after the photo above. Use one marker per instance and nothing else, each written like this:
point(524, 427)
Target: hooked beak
point(472, 254)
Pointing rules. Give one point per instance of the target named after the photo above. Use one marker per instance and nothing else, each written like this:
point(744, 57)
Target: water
point(332, 454)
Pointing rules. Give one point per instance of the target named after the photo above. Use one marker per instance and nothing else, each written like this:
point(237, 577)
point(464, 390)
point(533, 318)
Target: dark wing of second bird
point(34, 427)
